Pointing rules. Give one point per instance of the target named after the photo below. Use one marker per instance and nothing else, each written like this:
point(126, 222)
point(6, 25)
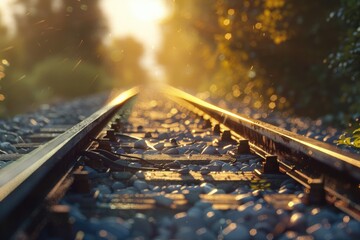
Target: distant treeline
point(58, 51)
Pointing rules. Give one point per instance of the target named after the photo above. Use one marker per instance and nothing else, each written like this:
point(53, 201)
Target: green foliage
point(345, 61)
point(58, 52)
point(352, 140)
point(73, 29)
point(122, 59)
point(55, 53)
point(67, 78)
point(3, 43)
point(19, 94)
point(270, 53)
point(188, 43)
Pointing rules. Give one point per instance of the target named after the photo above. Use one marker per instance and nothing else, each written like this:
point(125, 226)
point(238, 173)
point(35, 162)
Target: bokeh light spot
point(272, 105)
point(258, 26)
point(226, 22)
point(228, 36)
point(231, 11)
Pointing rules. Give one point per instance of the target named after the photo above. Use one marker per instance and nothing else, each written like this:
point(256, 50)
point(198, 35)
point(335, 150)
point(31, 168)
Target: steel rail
point(20, 181)
point(276, 140)
point(319, 166)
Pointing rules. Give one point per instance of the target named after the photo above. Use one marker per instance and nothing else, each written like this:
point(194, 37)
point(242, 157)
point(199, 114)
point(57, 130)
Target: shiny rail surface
point(308, 161)
point(24, 182)
point(275, 140)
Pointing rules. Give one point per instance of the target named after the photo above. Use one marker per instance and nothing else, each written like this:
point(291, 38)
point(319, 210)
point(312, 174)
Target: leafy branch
point(352, 140)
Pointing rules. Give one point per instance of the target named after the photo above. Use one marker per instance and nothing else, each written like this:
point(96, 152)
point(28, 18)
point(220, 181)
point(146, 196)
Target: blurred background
point(297, 57)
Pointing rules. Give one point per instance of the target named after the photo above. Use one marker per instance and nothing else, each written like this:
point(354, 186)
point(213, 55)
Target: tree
point(84, 29)
point(67, 78)
point(14, 95)
point(73, 29)
point(268, 53)
point(188, 44)
point(66, 33)
point(345, 61)
point(285, 43)
point(3, 43)
point(123, 62)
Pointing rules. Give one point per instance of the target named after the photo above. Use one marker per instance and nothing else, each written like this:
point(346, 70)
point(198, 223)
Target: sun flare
point(141, 20)
point(146, 10)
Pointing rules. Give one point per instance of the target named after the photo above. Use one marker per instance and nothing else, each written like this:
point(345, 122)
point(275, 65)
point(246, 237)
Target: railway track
point(166, 165)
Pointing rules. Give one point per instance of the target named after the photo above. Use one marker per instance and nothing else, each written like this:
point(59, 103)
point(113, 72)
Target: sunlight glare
point(141, 20)
point(146, 10)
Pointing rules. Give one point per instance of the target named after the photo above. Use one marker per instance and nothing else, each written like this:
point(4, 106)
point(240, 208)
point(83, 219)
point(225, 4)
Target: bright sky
point(138, 18)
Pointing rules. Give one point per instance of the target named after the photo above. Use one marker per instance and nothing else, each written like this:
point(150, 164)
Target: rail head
point(275, 139)
point(19, 178)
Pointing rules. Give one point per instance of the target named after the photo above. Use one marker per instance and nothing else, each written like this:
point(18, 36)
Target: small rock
point(163, 234)
point(141, 144)
point(3, 164)
point(129, 190)
point(218, 226)
point(194, 167)
point(324, 216)
point(137, 151)
point(114, 227)
point(171, 151)
point(205, 234)
point(155, 189)
point(227, 167)
point(204, 171)
point(117, 185)
point(290, 235)
point(141, 226)
point(185, 233)
point(191, 196)
point(135, 165)
point(353, 228)
point(210, 150)
point(184, 220)
point(318, 231)
point(207, 187)
point(103, 189)
point(211, 216)
point(140, 185)
point(163, 136)
point(140, 175)
point(121, 175)
point(120, 151)
point(184, 170)
point(264, 226)
point(236, 232)
point(195, 212)
point(8, 147)
point(151, 152)
point(246, 168)
point(159, 146)
point(161, 200)
point(202, 205)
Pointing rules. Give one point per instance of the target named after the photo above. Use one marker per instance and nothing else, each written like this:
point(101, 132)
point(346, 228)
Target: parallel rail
point(308, 161)
point(25, 183)
point(274, 140)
